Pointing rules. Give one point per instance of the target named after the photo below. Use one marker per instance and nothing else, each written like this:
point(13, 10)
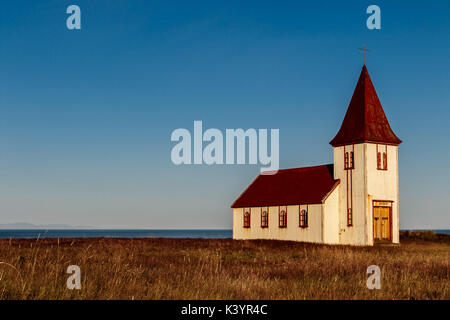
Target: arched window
point(303, 219)
point(264, 218)
point(247, 219)
point(282, 219)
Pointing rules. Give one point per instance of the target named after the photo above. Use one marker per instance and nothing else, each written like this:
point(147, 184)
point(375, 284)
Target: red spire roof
point(365, 120)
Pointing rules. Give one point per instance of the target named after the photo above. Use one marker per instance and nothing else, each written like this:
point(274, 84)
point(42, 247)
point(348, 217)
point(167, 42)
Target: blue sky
point(86, 115)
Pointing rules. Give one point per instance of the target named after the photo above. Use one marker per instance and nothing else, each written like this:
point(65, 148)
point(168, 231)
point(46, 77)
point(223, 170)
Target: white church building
point(352, 201)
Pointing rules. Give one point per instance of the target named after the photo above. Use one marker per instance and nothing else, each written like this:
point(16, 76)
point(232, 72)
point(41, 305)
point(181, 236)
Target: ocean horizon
point(116, 233)
point(135, 233)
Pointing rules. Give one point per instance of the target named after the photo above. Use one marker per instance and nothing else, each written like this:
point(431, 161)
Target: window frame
point(382, 159)
point(378, 160)
point(247, 224)
point(349, 159)
point(352, 160)
point(280, 220)
point(266, 210)
point(303, 217)
point(346, 160)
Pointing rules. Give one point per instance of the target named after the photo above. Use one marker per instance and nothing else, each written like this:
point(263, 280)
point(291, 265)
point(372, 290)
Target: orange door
point(381, 224)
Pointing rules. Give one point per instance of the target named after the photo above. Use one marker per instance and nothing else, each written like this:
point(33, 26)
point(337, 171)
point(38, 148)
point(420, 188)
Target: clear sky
point(86, 115)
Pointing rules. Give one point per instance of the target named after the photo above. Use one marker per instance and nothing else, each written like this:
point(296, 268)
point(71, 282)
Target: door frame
point(390, 218)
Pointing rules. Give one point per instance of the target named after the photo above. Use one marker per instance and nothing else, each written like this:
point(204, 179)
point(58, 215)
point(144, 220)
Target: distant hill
point(25, 225)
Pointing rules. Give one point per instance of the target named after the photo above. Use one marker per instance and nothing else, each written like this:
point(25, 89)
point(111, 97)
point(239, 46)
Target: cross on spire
point(363, 49)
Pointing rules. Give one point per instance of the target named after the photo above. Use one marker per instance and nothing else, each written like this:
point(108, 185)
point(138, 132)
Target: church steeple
point(365, 120)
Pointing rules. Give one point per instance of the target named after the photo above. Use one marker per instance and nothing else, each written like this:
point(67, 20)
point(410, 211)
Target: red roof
point(289, 186)
point(365, 120)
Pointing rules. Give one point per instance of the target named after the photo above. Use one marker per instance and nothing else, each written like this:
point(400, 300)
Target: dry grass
point(221, 269)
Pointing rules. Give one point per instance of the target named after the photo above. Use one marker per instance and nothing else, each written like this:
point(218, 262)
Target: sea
point(127, 233)
point(115, 233)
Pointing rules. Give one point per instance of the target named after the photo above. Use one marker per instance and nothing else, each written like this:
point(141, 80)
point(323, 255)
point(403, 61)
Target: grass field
point(222, 269)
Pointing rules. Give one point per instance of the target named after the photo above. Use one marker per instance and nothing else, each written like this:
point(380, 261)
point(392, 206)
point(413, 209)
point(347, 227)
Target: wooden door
point(381, 224)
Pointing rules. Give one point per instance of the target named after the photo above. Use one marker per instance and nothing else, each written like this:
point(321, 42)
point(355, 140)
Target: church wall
point(331, 217)
point(237, 224)
point(383, 184)
point(313, 233)
point(352, 179)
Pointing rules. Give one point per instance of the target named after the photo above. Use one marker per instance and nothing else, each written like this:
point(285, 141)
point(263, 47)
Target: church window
point(352, 160)
point(264, 219)
point(379, 160)
point(247, 219)
point(282, 221)
point(349, 217)
point(382, 159)
point(349, 160)
point(382, 162)
point(303, 223)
